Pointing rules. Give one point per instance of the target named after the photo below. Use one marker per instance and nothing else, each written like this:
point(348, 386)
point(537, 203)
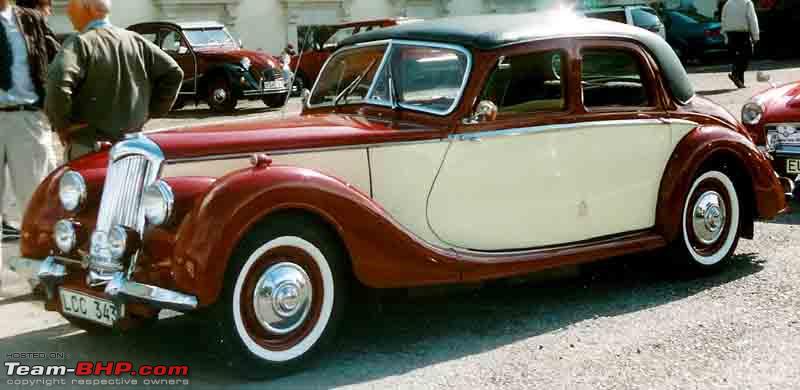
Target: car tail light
point(713, 33)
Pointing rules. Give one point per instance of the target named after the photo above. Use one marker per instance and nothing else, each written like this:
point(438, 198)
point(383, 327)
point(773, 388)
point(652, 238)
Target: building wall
point(270, 24)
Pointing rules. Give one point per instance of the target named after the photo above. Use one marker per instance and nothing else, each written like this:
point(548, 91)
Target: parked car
point(450, 151)
point(314, 56)
point(692, 35)
point(216, 68)
point(773, 119)
point(636, 15)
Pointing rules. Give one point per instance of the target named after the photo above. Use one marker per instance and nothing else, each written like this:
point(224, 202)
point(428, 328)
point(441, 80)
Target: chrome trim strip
point(568, 126)
point(235, 156)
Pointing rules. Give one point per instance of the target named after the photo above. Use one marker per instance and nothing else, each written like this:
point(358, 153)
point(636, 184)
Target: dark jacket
point(42, 47)
point(112, 80)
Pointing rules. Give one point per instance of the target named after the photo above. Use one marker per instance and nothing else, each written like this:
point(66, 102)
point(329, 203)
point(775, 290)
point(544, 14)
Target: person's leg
point(747, 53)
point(9, 122)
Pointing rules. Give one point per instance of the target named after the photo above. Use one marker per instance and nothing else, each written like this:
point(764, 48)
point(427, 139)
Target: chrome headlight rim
point(65, 236)
point(72, 202)
point(752, 113)
point(161, 213)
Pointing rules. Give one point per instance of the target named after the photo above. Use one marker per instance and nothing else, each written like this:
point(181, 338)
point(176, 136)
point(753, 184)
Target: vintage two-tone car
point(216, 68)
point(773, 119)
point(450, 151)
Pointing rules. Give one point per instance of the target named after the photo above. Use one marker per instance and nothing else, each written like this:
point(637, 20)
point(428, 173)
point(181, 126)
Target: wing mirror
point(486, 111)
point(183, 50)
point(305, 96)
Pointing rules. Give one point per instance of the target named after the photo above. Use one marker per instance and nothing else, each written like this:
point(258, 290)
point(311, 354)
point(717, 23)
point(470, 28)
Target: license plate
point(793, 166)
point(89, 308)
point(273, 84)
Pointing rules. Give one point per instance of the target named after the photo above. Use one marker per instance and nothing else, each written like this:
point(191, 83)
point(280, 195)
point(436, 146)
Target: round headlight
point(246, 63)
point(72, 190)
point(157, 203)
point(65, 236)
point(117, 242)
point(752, 113)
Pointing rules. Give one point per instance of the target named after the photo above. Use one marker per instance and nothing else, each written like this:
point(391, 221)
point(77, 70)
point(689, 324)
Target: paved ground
point(628, 323)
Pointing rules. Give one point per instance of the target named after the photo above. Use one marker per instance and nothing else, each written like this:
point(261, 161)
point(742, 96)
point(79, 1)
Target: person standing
point(106, 82)
point(43, 6)
point(26, 47)
point(740, 26)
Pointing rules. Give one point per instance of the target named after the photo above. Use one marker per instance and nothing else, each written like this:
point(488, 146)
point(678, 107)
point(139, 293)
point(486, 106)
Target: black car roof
point(487, 32)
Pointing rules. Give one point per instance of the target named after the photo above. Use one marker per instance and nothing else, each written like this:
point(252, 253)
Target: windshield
point(209, 37)
point(428, 78)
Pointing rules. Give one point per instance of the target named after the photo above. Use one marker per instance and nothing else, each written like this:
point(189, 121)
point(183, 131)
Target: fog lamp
point(158, 202)
point(65, 236)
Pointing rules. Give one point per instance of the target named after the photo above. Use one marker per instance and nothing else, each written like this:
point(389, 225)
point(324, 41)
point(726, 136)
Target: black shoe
point(10, 233)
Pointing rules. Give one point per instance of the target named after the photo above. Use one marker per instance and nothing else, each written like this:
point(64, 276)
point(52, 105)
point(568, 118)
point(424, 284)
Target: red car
point(773, 119)
point(452, 151)
point(216, 68)
point(314, 58)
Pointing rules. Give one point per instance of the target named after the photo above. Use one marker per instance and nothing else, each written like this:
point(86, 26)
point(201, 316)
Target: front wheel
point(284, 296)
point(710, 222)
point(221, 97)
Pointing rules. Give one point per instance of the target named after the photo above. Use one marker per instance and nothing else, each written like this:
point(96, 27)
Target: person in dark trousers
point(740, 26)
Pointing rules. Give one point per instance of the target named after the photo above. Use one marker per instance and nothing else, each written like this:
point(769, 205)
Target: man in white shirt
point(740, 26)
point(26, 47)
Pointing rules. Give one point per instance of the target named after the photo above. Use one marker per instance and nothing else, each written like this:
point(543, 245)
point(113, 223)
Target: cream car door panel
point(549, 185)
point(402, 176)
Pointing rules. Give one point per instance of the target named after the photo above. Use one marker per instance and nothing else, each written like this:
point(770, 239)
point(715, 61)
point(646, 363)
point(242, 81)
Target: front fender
point(381, 252)
point(706, 145)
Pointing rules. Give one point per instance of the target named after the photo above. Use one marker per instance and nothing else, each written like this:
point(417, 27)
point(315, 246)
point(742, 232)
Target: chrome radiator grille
point(134, 164)
point(122, 193)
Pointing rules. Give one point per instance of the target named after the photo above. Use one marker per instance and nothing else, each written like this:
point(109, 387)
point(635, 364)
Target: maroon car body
point(773, 119)
point(216, 68)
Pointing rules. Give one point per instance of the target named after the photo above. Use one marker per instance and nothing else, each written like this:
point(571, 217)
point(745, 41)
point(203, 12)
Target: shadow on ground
point(410, 333)
point(723, 65)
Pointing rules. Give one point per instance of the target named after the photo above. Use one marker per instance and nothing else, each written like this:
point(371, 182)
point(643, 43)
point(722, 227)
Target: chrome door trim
point(477, 136)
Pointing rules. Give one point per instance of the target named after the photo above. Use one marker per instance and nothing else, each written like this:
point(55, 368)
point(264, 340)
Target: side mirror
point(305, 96)
point(183, 50)
point(241, 44)
point(486, 111)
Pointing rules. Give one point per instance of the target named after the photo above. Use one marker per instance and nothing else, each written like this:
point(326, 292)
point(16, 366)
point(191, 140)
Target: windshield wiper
point(352, 86)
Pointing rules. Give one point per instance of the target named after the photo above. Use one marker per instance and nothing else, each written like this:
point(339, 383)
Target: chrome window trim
point(476, 136)
point(236, 156)
point(391, 43)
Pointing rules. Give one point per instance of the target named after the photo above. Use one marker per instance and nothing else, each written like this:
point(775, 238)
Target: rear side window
point(527, 83)
point(645, 17)
point(613, 78)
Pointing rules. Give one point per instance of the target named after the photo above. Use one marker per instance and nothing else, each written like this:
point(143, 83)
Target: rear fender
point(706, 147)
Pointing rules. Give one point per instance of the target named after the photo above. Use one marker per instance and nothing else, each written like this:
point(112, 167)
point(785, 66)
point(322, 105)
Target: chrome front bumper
point(51, 273)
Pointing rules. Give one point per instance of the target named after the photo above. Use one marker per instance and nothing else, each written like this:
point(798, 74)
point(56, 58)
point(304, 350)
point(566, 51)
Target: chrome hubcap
point(220, 95)
point(282, 299)
point(708, 218)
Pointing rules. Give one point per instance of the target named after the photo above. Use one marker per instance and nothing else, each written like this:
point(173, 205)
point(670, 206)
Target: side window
point(645, 17)
point(613, 78)
point(152, 37)
point(527, 83)
point(171, 42)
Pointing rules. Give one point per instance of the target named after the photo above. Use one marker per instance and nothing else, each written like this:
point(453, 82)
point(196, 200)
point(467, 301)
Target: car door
point(557, 166)
point(175, 44)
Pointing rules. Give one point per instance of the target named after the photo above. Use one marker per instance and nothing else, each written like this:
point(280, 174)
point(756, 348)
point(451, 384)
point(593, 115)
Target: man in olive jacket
point(106, 82)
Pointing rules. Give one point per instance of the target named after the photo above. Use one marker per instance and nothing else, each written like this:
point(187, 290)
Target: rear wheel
point(284, 296)
point(710, 222)
point(275, 101)
point(220, 95)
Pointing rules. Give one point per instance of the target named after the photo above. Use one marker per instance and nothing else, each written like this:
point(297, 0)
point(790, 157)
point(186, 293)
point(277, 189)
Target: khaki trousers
point(26, 149)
